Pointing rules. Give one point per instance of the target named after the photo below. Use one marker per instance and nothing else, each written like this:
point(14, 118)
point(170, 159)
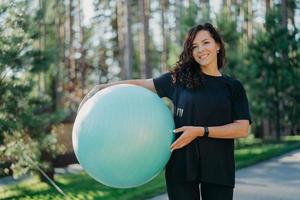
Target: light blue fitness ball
point(122, 136)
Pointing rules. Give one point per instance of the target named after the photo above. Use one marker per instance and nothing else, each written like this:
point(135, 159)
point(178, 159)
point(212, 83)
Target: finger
point(177, 143)
point(179, 140)
point(177, 147)
point(174, 144)
point(181, 129)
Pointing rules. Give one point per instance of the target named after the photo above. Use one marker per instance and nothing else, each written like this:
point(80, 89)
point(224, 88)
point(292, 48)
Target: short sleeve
point(240, 103)
point(164, 85)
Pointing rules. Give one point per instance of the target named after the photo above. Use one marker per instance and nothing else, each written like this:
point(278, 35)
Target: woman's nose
point(199, 49)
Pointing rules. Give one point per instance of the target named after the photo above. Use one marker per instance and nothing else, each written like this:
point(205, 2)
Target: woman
point(211, 110)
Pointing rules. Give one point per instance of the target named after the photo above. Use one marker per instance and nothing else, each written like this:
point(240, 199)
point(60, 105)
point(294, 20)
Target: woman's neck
point(213, 71)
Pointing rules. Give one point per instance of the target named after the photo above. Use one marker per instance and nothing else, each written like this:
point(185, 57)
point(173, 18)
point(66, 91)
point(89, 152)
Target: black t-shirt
point(219, 101)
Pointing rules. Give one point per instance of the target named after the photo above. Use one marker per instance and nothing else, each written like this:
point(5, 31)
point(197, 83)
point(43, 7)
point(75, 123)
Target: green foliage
point(26, 117)
point(188, 19)
point(173, 54)
point(25, 152)
point(227, 27)
point(273, 68)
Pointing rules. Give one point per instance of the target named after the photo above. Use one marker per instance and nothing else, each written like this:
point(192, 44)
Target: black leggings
point(191, 191)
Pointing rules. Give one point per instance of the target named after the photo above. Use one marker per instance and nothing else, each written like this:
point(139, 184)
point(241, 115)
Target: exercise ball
point(122, 136)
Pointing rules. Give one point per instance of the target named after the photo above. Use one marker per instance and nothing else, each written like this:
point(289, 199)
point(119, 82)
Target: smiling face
point(205, 49)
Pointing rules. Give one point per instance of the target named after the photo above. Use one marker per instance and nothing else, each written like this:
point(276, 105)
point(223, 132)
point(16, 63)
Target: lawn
point(81, 186)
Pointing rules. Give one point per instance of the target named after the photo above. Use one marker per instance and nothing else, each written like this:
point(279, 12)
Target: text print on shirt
point(179, 112)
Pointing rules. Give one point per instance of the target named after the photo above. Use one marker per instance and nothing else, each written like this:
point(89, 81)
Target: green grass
point(252, 151)
point(81, 186)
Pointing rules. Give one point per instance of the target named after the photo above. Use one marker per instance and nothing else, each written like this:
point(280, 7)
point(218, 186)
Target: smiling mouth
point(203, 56)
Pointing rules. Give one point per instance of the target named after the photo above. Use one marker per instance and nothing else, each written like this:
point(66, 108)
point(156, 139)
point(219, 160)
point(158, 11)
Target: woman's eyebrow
point(201, 41)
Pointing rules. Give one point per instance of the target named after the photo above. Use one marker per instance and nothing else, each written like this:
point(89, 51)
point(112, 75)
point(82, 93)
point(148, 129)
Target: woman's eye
point(206, 42)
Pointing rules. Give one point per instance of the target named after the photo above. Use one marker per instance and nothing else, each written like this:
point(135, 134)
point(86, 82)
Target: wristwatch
point(206, 132)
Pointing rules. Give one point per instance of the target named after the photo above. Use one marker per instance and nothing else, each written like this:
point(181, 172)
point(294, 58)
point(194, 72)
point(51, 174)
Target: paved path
point(275, 179)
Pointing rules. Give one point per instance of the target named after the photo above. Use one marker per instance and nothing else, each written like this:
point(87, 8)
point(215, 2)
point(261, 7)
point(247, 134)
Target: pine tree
point(273, 70)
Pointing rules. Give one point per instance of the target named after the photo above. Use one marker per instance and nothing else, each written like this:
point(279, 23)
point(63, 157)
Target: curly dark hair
point(187, 71)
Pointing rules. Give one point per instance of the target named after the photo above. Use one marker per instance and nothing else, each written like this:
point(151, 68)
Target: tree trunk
point(146, 71)
point(71, 60)
point(205, 10)
point(283, 8)
point(269, 5)
point(40, 24)
point(277, 108)
point(249, 20)
point(178, 13)
point(284, 25)
point(227, 5)
point(164, 55)
point(103, 67)
point(291, 6)
point(60, 53)
point(128, 41)
point(120, 36)
point(82, 62)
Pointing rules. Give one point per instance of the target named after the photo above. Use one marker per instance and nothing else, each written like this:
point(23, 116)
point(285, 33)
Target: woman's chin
point(203, 63)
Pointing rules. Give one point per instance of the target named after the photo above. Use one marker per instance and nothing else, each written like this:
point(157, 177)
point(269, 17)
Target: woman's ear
point(218, 46)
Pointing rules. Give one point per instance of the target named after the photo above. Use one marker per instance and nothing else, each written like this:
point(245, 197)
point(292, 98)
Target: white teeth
point(204, 56)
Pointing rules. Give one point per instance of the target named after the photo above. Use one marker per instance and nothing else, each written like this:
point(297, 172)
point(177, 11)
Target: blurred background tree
point(27, 111)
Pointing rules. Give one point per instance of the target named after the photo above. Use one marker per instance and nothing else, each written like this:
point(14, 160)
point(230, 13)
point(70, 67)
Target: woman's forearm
point(146, 83)
point(237, 129)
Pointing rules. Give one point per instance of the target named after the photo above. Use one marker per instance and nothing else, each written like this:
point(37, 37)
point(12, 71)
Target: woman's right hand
point(91, 93)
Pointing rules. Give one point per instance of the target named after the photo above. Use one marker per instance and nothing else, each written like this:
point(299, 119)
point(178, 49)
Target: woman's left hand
point(188, 135)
